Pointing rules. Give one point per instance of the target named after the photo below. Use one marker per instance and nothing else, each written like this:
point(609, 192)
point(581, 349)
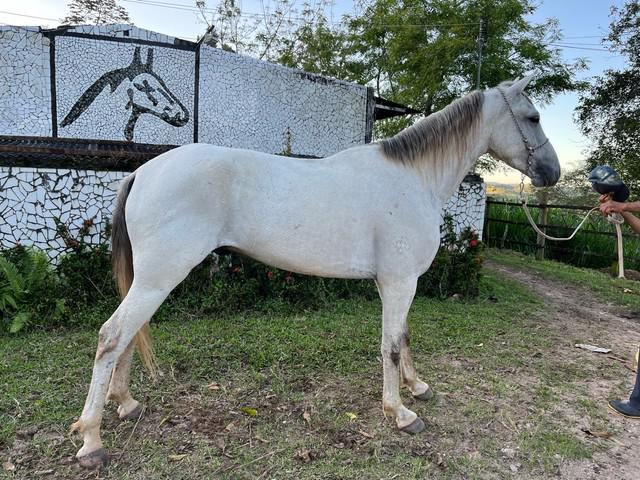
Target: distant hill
point(505, 190)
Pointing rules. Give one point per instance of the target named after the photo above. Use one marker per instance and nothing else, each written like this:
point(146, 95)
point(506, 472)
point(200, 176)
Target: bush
point(456, 270)
point(85, 276)
point(29, 290)
point(229, 283)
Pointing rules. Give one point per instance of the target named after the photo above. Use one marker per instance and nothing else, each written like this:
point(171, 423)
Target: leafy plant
point(28, 287)
point(456, 270)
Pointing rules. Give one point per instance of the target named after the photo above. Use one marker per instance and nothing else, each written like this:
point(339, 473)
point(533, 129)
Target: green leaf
point(252, 412)
point(11, 301)
point(19, 322)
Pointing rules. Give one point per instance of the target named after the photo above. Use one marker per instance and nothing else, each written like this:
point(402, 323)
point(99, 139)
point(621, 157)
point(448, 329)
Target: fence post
point(543, 197)
point(485, 224)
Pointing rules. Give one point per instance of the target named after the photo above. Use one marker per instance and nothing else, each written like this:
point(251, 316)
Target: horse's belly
point(317, 254)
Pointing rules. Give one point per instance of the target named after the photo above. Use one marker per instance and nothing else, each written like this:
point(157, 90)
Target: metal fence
point(506, 226)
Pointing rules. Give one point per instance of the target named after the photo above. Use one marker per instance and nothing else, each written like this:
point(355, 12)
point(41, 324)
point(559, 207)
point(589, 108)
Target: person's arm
point(632, 220)
point(608, 206)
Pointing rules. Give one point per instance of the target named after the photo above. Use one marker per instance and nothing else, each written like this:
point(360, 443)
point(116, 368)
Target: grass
point(586, 249)
point(623, 292)
point(314, 379)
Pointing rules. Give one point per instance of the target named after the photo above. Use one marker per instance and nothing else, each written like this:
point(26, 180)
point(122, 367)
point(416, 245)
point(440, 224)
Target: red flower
point(269, 274)
point(473, 242)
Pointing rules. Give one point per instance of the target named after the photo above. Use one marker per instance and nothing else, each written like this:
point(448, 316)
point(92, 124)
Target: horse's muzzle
point(545, 176)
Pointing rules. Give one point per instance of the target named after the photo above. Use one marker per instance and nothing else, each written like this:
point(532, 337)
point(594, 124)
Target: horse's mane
point(443, 131)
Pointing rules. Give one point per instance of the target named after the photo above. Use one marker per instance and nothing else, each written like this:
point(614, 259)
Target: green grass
point(586, 249)
point(324, 363)
point(621, 292)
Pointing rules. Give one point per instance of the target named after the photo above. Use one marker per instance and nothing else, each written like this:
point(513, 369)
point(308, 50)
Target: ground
point(297, 395)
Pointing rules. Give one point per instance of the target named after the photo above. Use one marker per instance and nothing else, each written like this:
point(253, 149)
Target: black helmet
point(605, 179)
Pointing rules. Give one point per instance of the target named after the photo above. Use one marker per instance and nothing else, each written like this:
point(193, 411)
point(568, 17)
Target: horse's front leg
point(396, 296)
point(419, 389)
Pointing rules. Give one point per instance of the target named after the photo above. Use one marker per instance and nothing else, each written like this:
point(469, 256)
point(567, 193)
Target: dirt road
point(578, 316)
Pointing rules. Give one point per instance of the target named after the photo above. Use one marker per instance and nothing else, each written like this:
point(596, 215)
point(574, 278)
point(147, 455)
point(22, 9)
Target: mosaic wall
point(279, 107)
point(25, 91)
point(119, 82)
point(34, 202)
point(123, 91)
point(467, 205)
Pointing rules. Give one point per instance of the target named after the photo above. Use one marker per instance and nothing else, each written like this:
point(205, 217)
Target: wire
point(579, 48)
point(29, 16)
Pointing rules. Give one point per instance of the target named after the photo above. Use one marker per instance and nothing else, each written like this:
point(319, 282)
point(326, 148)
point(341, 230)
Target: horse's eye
point(535, 119)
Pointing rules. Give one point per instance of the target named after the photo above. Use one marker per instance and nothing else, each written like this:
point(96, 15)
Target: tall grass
point(587, 249)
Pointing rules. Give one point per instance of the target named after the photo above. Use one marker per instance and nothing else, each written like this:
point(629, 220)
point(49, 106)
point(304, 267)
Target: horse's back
point(328, 217)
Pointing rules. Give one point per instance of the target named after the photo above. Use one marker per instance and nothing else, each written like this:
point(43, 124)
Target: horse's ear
point(519, 85)
point(149, 64)
point(137, 61)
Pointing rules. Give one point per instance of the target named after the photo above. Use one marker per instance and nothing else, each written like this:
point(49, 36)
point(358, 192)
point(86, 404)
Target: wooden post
point(485, 223)
point(543, 197)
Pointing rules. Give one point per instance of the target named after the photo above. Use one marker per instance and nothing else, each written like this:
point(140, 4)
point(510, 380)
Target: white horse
point(371, 211)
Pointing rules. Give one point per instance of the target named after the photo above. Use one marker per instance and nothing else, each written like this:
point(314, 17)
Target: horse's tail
point(122, 266)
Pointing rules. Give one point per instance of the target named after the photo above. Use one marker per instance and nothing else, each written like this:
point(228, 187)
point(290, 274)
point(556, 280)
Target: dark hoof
point(428, 395)
point(97, 459)
point(414, 427)
point(134, 414)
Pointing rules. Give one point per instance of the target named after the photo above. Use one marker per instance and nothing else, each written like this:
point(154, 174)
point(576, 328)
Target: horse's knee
point(108, 339)
point(391, 351)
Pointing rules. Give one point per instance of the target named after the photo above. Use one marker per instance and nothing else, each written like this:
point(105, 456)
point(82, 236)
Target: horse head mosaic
point(147, 93)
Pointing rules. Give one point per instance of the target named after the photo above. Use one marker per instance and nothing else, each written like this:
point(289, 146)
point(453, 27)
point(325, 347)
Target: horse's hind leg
point(115, 336)
point(128, 407)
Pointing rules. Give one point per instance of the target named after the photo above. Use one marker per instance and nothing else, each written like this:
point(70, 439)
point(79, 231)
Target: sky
point(583, 23)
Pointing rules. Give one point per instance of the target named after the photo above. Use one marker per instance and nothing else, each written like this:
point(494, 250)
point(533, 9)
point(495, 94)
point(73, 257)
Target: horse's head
point(149, 94)
point(517, 137)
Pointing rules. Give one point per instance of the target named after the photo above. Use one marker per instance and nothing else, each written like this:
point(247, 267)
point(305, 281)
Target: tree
point(609, 113)
point(424, 54)
point(95, 12)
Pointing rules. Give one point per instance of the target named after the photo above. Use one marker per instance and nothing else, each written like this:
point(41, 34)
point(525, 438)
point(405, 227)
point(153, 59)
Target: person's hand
point(604, 198)
point(609, 206)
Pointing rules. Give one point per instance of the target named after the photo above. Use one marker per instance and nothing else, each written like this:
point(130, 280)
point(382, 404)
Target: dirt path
point(578, 316)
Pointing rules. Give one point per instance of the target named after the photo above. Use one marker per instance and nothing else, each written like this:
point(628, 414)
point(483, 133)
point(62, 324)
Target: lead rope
point(614, 218)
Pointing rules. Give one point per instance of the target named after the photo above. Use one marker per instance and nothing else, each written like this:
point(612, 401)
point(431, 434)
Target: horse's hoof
point(93, 460)
point(427, 395)
point(414, 427)
point(133, 415)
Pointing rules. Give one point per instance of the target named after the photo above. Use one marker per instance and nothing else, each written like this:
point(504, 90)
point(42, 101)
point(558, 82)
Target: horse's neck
point(443, 177)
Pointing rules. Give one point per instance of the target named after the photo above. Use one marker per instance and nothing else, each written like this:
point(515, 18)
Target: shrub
point(29, 290)
point(456, 269)
point(85, 275)
point(229, 282)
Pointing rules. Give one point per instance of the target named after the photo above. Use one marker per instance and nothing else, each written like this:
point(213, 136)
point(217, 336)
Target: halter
point(615, 218)
point(525, 140)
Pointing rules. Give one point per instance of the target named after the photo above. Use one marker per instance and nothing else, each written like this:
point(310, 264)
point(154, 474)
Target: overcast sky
point(583, 23)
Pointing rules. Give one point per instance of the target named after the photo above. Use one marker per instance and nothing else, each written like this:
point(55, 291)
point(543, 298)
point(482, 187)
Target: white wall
point(242, 102)
point(247, 103)
point(25, 89)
